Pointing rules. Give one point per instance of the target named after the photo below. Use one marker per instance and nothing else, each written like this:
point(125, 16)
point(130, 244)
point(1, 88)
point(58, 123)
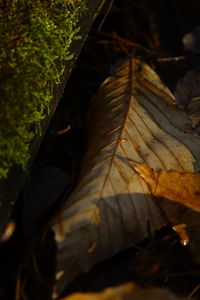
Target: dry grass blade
point(133, 118)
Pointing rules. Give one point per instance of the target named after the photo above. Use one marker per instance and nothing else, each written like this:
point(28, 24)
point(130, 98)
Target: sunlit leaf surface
point(126, 292)
point(132, 119)
point(181, 187)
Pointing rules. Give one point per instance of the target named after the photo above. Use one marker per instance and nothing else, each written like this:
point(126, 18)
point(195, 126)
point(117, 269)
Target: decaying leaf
point(132, 118)
point(126, 292)
point(188, 96)
point(181, 229)
point(181, 187)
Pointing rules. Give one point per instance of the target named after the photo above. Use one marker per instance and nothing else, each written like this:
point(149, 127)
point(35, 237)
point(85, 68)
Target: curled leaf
point(132, 118)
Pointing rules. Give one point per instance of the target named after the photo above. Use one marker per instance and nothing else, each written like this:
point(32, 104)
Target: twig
point(106, 14)
point(116, 37)
point(169, 59)
point(194, 291)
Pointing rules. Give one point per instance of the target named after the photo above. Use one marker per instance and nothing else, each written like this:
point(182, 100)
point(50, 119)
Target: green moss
point(34, 36)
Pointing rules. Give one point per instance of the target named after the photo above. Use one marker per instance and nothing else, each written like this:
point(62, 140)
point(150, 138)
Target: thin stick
point(115, 36)
point(106, 14)
point(19, 289)
point(99, 8)
point(194, 291)
point(169, 59)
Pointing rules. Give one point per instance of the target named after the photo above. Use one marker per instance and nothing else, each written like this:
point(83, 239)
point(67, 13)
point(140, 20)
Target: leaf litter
point(160, 259)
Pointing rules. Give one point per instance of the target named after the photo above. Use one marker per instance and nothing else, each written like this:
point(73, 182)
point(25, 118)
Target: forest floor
point(151, 31)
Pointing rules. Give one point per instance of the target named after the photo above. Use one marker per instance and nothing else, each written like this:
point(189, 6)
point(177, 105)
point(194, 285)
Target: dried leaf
point(181, 187)
point(188, 96)
point(191, 41)
point(126, 292)
point(133, 118)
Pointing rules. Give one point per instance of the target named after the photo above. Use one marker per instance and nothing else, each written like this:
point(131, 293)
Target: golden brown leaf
point(178, 195)
point(181, 187)
point(126, 292)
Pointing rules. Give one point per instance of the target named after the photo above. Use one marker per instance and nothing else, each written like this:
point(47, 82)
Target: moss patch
point(34, 35)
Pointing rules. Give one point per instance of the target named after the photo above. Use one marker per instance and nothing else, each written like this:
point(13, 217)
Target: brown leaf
point(188, 96)
point(126, 292)
point(132, 118)
point(181, 187)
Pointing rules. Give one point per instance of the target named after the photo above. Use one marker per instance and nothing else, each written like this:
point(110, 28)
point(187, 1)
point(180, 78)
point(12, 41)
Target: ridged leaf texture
point(133, 119)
